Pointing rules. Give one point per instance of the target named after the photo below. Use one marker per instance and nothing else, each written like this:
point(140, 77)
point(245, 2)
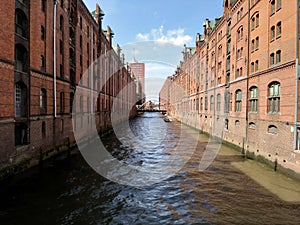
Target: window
point(272, 7)
point(274, 98)
point(237, 123)
point(80, 41)
point(278, 29)
point(252, 125)
point(256, 43)
point(43, 5)
point(238, 101)
point(43, 129)
point(278, 56)
point(252, 45)
point(201, 104)
point(257, 20)
point(43, 64)
point(226, 101)
point(252, 23)
point(279, 4)
point(211, 103)
point(220, 50)
point(272, 129)
point(241, 12)
point(61, 70)
point(272, 33)
point(252, 67)
point(229, 29)
point(20, 99)
point(253, 99)
point(226, 124)
point(20, 134)
point(206, 103)
point(80, 22)
point(219, 102)
point(61, 23)
point(228, 46)
point(21, 23)
point(21, 58)
point(272, 59)
point(43, 101)
point(256, 65)
point(61, 47)
point(62, 102)
point(62, 3)
point(240, 33)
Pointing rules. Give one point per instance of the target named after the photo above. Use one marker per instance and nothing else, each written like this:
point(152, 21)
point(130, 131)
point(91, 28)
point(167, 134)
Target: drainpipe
point(297, 78)
point(247, 83)
point(91, 73)
point(54, 59)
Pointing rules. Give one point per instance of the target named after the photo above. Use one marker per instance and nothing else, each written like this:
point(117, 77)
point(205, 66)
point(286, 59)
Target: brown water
point(231, 191)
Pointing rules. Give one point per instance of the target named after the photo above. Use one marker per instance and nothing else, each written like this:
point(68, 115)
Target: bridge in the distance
point(152, 110)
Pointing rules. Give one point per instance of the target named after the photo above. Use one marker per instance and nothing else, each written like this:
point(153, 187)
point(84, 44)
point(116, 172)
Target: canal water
point(232, 190)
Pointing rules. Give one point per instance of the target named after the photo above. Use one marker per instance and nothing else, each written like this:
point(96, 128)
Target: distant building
point(138, 70)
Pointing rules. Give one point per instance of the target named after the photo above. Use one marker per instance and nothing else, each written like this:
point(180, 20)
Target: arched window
point(278, 29)
point(43, 101)
point(237, 123)
point(278, 56)
point(238, 101)
point(272, 7)
point(21, 23)
point(253, 99)
point(252, 125)
point(274, 98)
point(272, 33)
point(272, 129)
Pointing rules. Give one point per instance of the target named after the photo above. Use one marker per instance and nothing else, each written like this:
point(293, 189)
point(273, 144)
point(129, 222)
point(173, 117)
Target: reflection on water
point(69, 192)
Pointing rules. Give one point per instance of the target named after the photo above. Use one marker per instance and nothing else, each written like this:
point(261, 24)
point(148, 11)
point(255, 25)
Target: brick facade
point(33, 116)
point(241, 79)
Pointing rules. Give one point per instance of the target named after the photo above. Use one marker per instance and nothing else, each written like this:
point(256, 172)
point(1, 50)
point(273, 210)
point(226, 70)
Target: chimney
point(109, 35)
point(99, 16)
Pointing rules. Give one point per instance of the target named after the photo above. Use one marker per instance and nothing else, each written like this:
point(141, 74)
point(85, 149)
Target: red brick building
point(242, 79)
point(47, 47)
point(138, 70)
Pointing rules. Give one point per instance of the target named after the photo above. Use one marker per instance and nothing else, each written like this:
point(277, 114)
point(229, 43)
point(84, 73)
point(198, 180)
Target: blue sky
point(154, 31)
point(128, 18)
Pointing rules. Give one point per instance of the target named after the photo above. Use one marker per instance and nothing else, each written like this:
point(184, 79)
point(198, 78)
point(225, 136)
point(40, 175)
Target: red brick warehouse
point(242, 77)
point(46, 48)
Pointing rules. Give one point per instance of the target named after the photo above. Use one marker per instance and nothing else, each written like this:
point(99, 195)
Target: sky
point(155, 31)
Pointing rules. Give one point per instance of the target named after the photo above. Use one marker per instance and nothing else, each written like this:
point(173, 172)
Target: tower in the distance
point(138, 70)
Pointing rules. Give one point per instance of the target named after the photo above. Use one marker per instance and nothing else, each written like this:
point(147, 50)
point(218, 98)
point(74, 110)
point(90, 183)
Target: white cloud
point(175, 37)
